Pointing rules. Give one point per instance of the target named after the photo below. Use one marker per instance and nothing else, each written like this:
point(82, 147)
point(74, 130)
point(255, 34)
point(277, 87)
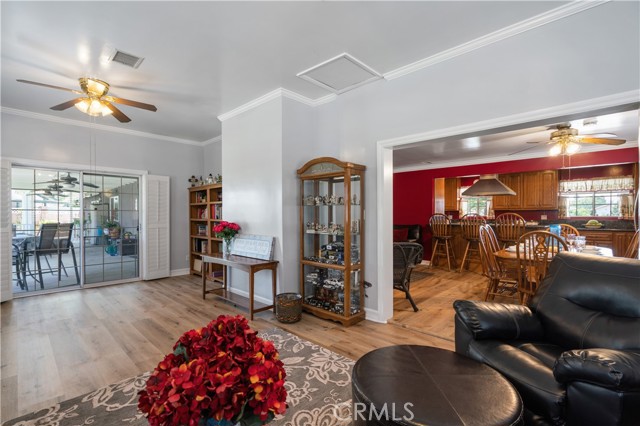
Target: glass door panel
point(111, 218)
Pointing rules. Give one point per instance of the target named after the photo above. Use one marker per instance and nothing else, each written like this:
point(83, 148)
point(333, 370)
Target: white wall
point(40, 140)
point(588, 55)
point(212, 159)
point(252, 182)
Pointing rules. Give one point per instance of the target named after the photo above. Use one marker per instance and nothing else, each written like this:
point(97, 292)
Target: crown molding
point(528, 24)
point(275, 94)
point(77, 123)
point(212, 140)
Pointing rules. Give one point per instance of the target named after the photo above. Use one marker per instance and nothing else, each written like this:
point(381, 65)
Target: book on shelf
point(203, 246)
point(202, 213)
point(202, 229)
point(217, 212)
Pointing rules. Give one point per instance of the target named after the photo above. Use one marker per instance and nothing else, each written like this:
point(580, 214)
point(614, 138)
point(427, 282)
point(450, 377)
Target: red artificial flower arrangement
point(226, 230)
point(222, 374)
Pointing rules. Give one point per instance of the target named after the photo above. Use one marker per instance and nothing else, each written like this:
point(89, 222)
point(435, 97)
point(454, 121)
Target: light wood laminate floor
point(58, 346)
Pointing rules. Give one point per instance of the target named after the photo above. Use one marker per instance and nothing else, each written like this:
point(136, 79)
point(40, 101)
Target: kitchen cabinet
point(621, 241)
point(451, 194)
point(534, 191)
point(540, 190)
point(509, 202)
point(599, 238)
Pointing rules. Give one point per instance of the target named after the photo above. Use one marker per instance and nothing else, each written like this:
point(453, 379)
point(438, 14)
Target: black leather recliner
point(574, 353)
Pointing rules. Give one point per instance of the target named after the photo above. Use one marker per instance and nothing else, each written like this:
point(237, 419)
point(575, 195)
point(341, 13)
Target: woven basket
point(288, 307)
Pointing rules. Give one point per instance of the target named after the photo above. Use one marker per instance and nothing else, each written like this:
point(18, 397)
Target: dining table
point(510, 253)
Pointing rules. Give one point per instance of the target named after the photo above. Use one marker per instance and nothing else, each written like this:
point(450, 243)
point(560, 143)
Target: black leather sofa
point(414, 233)
point(574, 352)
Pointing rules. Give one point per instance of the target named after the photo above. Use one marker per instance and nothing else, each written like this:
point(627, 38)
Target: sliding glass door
point(45, 210)
point(111, 225)
point(72, 228)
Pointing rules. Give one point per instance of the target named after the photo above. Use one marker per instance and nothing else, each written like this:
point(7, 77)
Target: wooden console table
point(247, 264)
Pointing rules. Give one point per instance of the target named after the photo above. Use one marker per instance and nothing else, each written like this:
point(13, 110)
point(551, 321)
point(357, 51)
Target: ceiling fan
point(95, 101)
point(69, 182)
point(565, 140)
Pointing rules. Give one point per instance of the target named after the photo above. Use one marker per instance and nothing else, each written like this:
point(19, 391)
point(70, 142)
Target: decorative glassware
point(571, 241)
point(580, 242)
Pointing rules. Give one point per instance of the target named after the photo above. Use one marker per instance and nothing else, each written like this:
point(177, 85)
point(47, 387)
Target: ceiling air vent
point(340, 74)
point(126, 59)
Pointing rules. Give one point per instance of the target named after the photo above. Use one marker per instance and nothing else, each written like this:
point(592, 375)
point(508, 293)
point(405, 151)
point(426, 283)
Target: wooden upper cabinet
point(534, 191)
point(540, 190)
point(506, 202)
point(451, 194)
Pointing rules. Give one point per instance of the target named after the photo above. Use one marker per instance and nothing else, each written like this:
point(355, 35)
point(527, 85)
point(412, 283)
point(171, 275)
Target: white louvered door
point(5, 231)
point(156, 243)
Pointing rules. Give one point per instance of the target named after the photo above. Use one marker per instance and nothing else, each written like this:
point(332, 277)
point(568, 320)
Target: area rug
point(318, 386)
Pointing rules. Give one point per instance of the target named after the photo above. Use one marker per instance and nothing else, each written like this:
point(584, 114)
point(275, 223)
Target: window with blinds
point(609, 197)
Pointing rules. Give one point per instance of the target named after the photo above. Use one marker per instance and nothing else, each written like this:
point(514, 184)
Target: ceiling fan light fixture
point(555, 150)
point(93, 107)
point(571, 148)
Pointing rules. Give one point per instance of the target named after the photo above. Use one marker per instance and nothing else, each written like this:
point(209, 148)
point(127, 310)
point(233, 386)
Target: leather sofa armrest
point(610, 368)
point(487, 320)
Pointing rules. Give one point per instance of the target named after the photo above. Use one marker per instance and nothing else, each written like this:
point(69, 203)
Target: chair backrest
point(510, 227)
point(470, 226)
point(534, 252)
point(590, 302)
point(488, 246)
point(405, 257)
point(440, 225)
point(46, 237)
point(566, 229)
point(65, 232)
point(632, 250)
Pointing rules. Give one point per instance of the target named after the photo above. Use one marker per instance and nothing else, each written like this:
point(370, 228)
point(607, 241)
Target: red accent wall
point(413, 191)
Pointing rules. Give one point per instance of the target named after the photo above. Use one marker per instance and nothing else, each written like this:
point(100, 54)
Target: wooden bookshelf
point(205, 211)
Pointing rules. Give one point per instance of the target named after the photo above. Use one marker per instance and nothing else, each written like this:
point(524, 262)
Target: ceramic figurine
point(218, 178)
point(193, 181)
point(209, 179)
point(332, 199)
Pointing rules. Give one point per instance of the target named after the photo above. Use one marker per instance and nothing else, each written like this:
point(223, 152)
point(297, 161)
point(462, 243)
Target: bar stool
point(509, 228)
point(441, 231)
point(470, 227)
point(566, 229)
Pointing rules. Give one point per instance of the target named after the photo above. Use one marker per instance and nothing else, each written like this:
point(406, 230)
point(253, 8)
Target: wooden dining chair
point(632, 249)
point(442, 235)
point(566, 229)
point(534, 252)
point(509, 228)
point(470, 229)
point(500, 281)
point(405, 257)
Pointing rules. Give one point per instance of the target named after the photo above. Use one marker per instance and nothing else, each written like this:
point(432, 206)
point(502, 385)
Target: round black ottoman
point(421, 385)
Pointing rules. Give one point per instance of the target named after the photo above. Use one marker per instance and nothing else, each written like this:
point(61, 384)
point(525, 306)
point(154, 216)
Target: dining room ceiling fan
point(566, 140)
point(95, 100)
point(69, 182)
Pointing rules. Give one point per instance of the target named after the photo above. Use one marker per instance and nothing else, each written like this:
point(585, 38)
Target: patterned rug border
point(318, 387)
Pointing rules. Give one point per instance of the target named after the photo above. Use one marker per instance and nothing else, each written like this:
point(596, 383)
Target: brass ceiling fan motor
point(95, 101)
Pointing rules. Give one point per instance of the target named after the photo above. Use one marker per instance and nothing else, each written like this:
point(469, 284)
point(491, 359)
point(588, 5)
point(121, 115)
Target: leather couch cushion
point(414, 233)
point(589, 301)
point(527, 365)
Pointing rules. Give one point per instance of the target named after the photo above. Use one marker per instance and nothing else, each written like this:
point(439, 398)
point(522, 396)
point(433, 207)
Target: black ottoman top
point(443, 387)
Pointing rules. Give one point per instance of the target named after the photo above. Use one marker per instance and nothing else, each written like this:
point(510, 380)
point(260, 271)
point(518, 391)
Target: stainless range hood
point(488, 185)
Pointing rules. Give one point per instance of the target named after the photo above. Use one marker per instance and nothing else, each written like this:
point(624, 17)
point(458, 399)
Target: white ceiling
point(204, 59)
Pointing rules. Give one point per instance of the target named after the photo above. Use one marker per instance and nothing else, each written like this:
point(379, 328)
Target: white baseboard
point(373, 315)
point(246, 294)
point(178, 272)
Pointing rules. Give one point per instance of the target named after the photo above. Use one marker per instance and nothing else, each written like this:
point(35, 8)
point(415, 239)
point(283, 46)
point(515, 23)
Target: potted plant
point(112, 228)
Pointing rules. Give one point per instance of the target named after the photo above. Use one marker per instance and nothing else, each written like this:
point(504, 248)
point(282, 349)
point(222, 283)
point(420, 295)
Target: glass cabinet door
point(332, 261)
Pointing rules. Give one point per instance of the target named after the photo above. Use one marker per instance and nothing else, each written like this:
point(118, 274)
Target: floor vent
point(340, 74)
point(126, 59)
